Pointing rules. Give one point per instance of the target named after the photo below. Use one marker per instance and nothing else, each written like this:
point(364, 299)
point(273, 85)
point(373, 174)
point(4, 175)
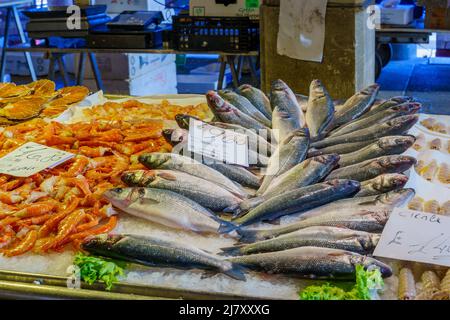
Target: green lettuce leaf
point(94, 269)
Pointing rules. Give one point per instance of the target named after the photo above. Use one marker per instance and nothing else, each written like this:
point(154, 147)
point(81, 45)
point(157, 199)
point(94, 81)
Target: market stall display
point(330, 179)
point(19, 103)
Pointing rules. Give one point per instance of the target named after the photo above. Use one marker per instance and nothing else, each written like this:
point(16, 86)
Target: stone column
point(349, 53)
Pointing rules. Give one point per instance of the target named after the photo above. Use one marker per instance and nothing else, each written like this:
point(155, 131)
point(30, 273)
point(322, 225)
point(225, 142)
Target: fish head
point(175, 136)
point(216, 103)
point(183, 120)
point(133, 178)
point(370, 263)
point(302, 133)
point(100, 243)
point(279, 85)
point(393, 180)
point(396, 197)
point(279, 113)
point(316, 89)
point(369, 241)
point(328, 159)
point(404, 122)
point(154, 160)
point(372, 89)
point(401, 163)
point(123, 197)
point(394, 142)
point(245, 87)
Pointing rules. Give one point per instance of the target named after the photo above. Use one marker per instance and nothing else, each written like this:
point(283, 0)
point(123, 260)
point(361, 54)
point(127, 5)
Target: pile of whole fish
point(325, 178)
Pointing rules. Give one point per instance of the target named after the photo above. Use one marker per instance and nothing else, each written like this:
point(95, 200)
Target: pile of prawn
point(62, 206)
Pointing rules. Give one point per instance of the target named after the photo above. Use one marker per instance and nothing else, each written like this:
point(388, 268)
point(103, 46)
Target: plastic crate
point(227, 34)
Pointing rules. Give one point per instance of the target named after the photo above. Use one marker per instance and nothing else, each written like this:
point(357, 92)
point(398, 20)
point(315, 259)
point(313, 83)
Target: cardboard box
point(210, 8)
point(197, 83)
point(399, 15)
point(117, 6)
point(17, 65)
point(162, 80)
point(119, 66)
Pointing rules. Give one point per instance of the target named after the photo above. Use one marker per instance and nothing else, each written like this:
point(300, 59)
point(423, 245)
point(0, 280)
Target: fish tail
point(231, 251)
point(248, 236)
point(236, 272)
point(232, 209)
point(227, 227)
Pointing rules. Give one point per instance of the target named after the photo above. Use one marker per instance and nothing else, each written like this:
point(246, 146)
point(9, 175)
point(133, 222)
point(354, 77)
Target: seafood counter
point(306, 214)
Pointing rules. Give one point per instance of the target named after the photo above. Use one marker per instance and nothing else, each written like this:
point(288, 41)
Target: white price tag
point(416, 236)
point(220, 144)
point(32, 158)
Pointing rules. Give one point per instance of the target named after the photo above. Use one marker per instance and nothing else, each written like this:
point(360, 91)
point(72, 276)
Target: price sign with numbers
point(416, 236)
point(32, 158)
point(220, 144)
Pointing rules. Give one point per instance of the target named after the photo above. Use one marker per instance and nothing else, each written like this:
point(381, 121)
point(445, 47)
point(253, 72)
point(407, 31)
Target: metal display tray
point(21, 285)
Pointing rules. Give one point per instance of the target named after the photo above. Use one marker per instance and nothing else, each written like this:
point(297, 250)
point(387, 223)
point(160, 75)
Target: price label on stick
point(416, 236)
point(220, 144)
point(32, 158)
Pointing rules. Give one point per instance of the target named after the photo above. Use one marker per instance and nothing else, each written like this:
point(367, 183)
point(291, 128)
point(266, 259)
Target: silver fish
point(230, 114)
point(396, 126)
point(311, 262)
point(159, 253)
point(298, 200)
point(391, 113)
point(164, 207)
point(171, 161)
point(326, 237)
point(236, 173)
point(388, 104)
point(340, 149)
point(385, 146)
point(257, 98)
point(356, 105)
point(370, 219)
point(369, 169)
point(304, 174)
point(243, 104)
point(390, 200)
point(202, 191)
point(289, 153)
point(320, 109)
point(287, 115)
point(175, 136)
point(382, 184)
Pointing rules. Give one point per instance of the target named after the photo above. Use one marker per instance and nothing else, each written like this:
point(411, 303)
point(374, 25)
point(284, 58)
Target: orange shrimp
point(93, 152)
point(81, 183)
point(104, 228)
point(13, 184)
point(38, 220)
point(78, 167)
point(8, 221)
point(10, 198)
point(65, 228)
point(3, 180)
point(23, 246)
point(53, 222)
point(88, 225)
point(36, 209)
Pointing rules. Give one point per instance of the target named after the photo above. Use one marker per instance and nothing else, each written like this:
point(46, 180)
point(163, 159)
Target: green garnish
point(366, 282)
point(94, 269)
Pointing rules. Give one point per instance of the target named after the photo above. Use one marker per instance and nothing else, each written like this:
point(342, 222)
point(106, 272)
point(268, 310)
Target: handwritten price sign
point(32, 158)
point(220, 144)
point(416, 236)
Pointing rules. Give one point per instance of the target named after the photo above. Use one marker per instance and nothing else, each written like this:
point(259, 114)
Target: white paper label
point(220, 144)
point(32, 158)
point(416, 236)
